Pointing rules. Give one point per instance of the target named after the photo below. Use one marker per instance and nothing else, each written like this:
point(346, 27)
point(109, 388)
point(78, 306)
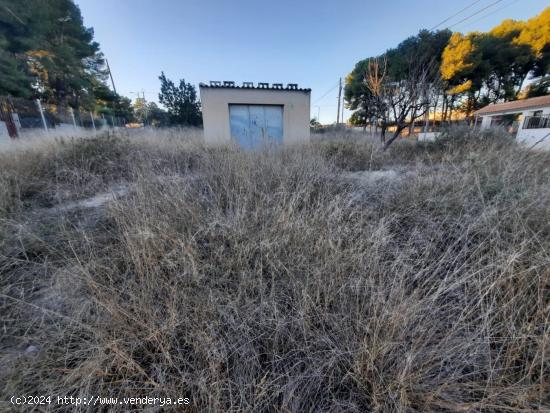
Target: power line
point(14, 15)
point(476, 13)
point(110, 75)
point(339, 96)
point(456, 14)
point(327, 92)
point(493, 12)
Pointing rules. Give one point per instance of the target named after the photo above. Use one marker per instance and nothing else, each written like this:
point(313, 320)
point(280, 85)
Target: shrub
point(352, 154)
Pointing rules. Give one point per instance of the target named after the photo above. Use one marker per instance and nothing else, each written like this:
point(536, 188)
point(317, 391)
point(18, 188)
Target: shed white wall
point(486, 119)
point(531, 136)
point(4, 135)
point(485, 122)
point(525, 136)
point(215, 111)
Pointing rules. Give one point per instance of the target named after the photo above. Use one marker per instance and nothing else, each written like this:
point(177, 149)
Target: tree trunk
point(411, 128)
point(394, 137)
point(435, 113)
point(383, 133)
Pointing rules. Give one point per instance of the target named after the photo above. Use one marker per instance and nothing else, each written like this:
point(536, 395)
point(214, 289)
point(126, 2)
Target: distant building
point(529, 118)
point(253, 116)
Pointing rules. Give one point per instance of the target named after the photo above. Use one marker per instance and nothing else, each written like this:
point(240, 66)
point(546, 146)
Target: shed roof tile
point(249, 85)
point(515, 105)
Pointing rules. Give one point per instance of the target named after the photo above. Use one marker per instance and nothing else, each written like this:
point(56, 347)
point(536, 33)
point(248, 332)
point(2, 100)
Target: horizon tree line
point(456, 72)
point(47, 53)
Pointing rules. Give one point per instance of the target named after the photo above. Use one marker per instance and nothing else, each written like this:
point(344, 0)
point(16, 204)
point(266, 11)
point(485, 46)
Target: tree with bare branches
point(399, 103)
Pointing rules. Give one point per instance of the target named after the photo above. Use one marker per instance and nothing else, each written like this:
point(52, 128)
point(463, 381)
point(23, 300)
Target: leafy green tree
point(13, 80)
point(157, 116)
point(109, 103)
point(359, 118)
point(15, 40)
point(482, 68)
point(426, 46)
point(376, 82)
point(510, 62)
point(67, 59)
point(150, 114)
point(122, 108)
point(536, 33)
point(47, 52)
point(140, 110)
point(474, 68)
point(180, 101)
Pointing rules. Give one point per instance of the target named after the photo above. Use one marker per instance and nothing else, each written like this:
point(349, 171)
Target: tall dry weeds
point(275, 281)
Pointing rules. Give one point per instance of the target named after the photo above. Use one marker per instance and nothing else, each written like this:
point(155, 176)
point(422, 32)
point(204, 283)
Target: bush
point(42, 173)
point(464, 138)
point(351, 154)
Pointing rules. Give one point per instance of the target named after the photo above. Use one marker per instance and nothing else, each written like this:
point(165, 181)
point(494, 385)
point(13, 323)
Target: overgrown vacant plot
point(329, 277)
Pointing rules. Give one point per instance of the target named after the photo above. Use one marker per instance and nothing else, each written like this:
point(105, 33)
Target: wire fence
point(19, 117)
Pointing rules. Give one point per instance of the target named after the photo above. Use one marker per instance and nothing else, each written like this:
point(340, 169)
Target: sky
point(309, 42)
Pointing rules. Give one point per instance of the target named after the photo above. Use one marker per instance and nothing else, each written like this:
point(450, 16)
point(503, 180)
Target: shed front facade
point(255, 116)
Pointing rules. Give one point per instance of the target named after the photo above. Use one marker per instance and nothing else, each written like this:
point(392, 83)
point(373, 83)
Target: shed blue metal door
point(253, 126)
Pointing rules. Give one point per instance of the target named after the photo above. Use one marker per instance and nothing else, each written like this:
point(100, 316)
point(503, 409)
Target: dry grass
point(274, 281)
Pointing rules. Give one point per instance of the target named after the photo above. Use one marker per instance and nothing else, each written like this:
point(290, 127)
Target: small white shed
point(529, 117)
point(253, 116)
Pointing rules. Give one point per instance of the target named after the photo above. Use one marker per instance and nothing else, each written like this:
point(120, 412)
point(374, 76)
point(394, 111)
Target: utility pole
point(144, 106)
point(72, 116)
point(110, 75)
point(39, 105)
point(339, 96)
point(342, 117)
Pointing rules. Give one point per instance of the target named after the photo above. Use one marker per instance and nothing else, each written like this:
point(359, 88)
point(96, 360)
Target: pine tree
point(180, 101)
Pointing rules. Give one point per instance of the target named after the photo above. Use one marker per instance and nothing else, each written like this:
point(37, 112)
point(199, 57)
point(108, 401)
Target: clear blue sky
point(311, 43)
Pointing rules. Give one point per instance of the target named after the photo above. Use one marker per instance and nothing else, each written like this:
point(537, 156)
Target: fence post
point(72, 116)
point(93, 123)
point(42, 115)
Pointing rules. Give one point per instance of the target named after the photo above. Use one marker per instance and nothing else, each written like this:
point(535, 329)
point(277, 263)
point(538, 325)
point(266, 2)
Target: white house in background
point(529, 117)
point(252, 115)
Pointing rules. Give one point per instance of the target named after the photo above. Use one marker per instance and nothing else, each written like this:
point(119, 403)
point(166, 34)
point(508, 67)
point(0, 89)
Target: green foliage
point(15, 40)
point(536, 34)
point(492, 67)
point(121, 107)
point(180, 101)
point(149, 113)
point(46, 52)
point(109, 103)
point(425, 46)
point(13, 80)
point(539, 88)
point(487, 67)
point(475, 68)
point(314, 123)
point(359, 118)
point(156, 115)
